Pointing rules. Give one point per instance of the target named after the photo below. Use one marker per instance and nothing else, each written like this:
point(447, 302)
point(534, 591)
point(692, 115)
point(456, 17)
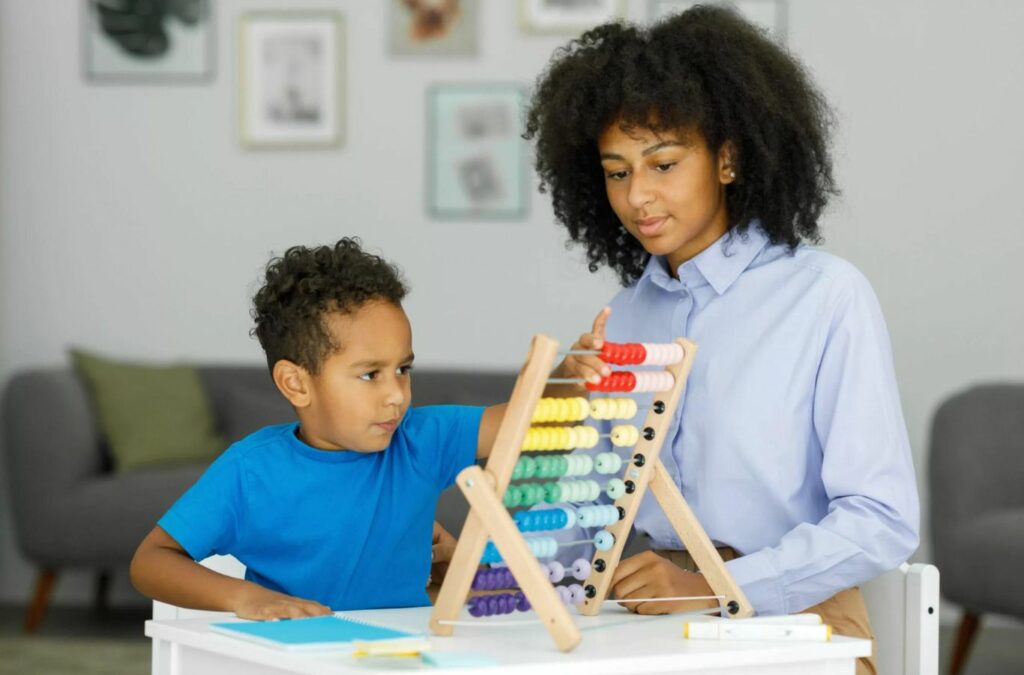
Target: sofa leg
point(101, 591)
point(962, 643)
point(40, 599)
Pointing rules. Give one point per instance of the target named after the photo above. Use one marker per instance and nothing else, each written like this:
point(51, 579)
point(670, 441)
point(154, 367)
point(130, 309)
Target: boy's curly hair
point(304, 285)
point(706, 69)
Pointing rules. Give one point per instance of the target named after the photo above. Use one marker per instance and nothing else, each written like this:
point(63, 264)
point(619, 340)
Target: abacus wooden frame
point(485, 488)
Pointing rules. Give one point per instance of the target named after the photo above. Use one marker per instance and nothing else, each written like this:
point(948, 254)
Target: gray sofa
point(976, 472)
point(71, 512)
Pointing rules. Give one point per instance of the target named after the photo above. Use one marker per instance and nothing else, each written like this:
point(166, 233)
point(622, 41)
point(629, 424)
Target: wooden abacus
point(485, 490)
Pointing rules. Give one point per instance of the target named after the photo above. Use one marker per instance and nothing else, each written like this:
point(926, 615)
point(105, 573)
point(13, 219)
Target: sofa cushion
point(149, 414)
point(247, 409)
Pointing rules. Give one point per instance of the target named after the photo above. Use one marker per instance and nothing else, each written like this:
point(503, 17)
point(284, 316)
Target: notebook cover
point(319, 632)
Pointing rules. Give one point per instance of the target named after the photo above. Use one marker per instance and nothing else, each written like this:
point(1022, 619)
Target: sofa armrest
point(51, 442)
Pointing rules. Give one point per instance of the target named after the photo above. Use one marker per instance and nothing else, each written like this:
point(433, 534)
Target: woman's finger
point(600, 321)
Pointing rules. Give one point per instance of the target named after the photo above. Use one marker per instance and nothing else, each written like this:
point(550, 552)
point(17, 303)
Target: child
point(692, 159)
point(335, 511)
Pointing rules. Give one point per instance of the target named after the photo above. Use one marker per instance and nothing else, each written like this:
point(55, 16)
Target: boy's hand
point(440, 554)
point(648, 575)
point(588, 367)
point(263, 604)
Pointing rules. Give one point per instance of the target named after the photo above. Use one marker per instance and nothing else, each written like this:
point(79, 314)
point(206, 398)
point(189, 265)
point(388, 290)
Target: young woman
point(692, 158)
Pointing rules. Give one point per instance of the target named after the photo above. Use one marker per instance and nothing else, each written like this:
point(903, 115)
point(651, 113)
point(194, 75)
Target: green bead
point(561, 466)
point(529, 467)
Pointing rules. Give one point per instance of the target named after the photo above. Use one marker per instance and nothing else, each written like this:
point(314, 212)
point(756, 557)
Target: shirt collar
point(718, 265)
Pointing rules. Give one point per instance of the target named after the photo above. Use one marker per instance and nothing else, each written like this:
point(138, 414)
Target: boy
point(335, 511)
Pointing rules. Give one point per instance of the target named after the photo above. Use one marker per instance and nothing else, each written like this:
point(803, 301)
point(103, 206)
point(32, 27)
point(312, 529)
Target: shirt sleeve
point(447, 436)
point(206, 519)
point(867, 471)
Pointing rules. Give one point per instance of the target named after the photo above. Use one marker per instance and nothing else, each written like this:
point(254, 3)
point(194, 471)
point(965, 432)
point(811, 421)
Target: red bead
point(623, 353)
point(622, 380)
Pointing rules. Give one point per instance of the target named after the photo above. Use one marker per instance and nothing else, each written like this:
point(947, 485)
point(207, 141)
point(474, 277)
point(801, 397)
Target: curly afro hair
point(304, 285)
point(706, 70)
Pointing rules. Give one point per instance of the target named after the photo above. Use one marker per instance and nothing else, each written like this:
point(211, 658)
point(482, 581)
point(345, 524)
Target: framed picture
point(291, 85)
point(433, 27)
point(768, 14)
point(476, 158)
point(568, 17)
point(139, 41)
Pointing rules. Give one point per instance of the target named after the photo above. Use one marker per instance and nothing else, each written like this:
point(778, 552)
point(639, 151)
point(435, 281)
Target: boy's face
point(363, 390)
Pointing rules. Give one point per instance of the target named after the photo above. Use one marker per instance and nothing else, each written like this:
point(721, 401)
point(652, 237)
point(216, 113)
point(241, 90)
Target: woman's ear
point(293, 381)
point(728, 158)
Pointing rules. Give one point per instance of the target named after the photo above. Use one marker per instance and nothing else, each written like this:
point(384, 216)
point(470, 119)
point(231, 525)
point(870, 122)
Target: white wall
point(131, 222)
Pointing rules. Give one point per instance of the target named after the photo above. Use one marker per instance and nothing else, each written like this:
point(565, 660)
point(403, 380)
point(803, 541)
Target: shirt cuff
point(757, 576)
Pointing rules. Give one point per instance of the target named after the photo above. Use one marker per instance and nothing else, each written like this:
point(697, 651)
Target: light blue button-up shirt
point(789, 443)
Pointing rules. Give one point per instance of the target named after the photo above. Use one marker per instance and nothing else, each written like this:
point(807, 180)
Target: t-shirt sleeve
point(444, 439)
point(205, 520)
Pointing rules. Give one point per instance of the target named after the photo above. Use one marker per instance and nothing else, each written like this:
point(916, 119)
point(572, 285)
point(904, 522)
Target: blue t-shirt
point(350, 530)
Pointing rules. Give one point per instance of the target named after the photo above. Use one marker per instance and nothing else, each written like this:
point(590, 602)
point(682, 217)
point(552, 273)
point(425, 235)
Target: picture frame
point(476, 158)
point(291, 79)
point(433, 27)
point(131, 43)
point(770, 15)
point(562, 17)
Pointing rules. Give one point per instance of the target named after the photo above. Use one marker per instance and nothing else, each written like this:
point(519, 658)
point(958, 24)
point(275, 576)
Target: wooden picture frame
point(291, 79)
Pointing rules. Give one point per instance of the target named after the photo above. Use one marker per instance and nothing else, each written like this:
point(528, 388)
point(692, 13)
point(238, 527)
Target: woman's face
point(667, 188)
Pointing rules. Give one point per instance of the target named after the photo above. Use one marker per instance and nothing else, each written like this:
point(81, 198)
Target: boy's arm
point(489, 424)
point(162, 570)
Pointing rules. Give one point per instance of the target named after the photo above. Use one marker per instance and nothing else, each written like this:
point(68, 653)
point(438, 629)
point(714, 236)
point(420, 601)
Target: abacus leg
point(704, 553)
point(516, 554)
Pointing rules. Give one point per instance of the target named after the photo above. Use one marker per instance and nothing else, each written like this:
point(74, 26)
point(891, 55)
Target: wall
point(131, 222)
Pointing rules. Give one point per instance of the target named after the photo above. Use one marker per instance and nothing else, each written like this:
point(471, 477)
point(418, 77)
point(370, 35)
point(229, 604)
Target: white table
point(615, 643)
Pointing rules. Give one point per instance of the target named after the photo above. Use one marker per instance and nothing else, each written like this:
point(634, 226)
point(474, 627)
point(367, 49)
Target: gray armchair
point(70, 511)
point(976, 479)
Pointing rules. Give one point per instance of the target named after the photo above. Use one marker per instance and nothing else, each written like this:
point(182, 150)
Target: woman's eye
point(369, 377)
point(665, 167)
point(615, 175)
point(404, 370)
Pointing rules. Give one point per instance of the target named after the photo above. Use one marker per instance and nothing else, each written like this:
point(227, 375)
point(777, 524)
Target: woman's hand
point(440, 554)
point(585, 367)
point(648, 575)
point(264, 604)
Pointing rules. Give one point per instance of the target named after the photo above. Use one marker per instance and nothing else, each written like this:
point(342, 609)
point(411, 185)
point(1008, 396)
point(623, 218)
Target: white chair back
point(904, 609)
point(225, 564)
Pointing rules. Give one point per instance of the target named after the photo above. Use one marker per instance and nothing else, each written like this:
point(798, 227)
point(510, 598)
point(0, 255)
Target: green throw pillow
point(150, 414)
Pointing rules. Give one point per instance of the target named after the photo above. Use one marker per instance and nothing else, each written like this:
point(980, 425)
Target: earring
point(732, 174)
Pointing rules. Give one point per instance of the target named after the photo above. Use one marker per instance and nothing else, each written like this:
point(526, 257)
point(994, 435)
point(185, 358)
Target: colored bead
point(615, 488)
point(624, 435)
point(580, 568)
point(622, 380)
point(576, 594)
point(604, 540)
point(556, 571)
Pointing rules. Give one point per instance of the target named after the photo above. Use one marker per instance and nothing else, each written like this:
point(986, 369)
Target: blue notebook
point(319, 632)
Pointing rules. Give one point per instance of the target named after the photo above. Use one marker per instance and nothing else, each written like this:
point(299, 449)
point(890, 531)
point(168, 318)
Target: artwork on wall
point(291, 84)
point(567, 17)
point(768, 14)
point(433, 27)
point(476, 161)
point(147, 40)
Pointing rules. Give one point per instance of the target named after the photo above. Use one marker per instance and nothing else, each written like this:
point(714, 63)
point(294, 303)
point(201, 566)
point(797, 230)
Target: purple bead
point(581, 568)
point(504, 606)
point(564, 594)
point(522, 602)
point(476, 607)
point(576, 594)
point(556, 571)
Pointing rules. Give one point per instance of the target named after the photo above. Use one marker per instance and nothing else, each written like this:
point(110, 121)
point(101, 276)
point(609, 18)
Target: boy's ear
point(293, 382)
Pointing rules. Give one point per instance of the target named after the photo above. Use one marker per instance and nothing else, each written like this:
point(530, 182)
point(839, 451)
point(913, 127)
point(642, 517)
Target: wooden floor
point(999, 650)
